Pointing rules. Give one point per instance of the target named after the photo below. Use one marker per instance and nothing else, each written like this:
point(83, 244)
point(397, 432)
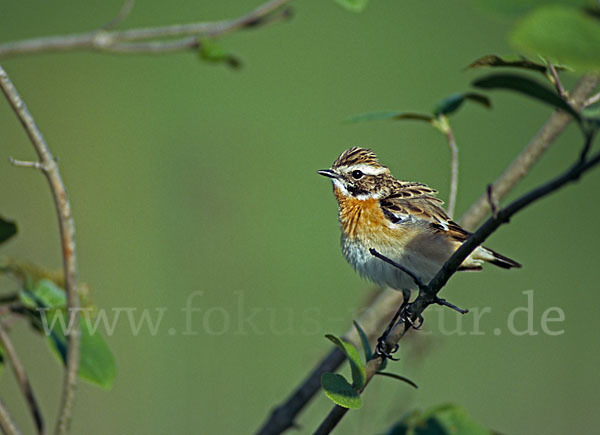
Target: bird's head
point(358, 173)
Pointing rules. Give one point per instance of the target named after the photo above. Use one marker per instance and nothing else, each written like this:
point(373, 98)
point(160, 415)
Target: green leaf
point(453, 102)
point(97, 363)
point(359, 375)
point(45, 294)
point(526, 86)
point(364, 340)
point(398, 377)
point(340, 391)
point(442, 420)
point(560, 33)
point(7, 229)
point(211, 51)
point(519, 7)
point(493, 60)
point(379, 116)
point(353, 5)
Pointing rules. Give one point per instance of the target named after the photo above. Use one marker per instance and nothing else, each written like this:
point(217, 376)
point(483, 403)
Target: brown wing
point(418, 201)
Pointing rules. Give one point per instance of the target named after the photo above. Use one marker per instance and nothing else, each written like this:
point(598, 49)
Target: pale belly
point(424, 257)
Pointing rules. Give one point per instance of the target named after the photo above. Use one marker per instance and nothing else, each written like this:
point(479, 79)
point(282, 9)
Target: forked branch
point(284, 415)
point(428, 295)
point(49, 167)
point(146, 40)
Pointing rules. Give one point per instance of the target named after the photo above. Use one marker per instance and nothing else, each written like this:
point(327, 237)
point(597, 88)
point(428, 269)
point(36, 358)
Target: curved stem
point(22, 379)
point(49, 167)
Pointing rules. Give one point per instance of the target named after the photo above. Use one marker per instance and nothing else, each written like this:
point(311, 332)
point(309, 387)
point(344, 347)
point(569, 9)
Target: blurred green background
point(189, 177)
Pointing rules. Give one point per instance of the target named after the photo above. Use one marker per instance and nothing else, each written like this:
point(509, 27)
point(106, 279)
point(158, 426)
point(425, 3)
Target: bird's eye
point(357, 174)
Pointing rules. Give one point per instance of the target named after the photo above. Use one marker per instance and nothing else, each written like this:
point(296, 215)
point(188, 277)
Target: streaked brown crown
point(356, 156)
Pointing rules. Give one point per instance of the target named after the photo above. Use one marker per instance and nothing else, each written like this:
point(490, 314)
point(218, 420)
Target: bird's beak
point(327, 173)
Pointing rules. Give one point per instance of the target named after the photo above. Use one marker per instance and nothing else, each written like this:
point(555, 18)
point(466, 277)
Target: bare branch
point(66, 225)
point(22, 379)
point(453, 171)
point(121, 16)
point(523, 163)
point(429, 295)
point(25, 163)
point(6, 422)
point(592, 100)
point(383, 308)
point(493, 202)
point(104, 40)
point(556, 82)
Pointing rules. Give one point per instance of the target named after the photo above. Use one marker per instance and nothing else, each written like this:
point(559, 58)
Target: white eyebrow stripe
point(367, 169)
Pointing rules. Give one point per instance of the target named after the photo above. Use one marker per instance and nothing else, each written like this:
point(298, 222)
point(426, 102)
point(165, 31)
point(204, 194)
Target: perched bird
point(402, 220)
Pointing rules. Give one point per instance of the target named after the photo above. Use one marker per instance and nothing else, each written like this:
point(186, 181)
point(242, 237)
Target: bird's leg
point(380, 349)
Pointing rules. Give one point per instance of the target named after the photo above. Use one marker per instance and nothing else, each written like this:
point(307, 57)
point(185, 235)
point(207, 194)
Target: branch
point(22, 380)
point(49, 168)
point(103, 40)
point(453, 171)
point(428, 296)
point(523, 163)
point(6, 422)
point(383, 308)
point(555, 79)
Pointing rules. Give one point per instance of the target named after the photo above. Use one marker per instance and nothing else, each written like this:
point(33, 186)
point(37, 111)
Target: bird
point(402, 221)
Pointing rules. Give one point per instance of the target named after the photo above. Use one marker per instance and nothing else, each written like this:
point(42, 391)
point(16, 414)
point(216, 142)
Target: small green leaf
point(493, 60)
point(526, 86)
point(380, 116)
point(565, 34)
point(453, 102)
point(364, 340)
point(211, 51)
point(441, 420)
point(353, 5)
point(45, 294)
point(7, 229)
point(519, 7)
point(97, 363)
point(454, 419)
point(359, 375)
point(399, 377)
point(340, 391)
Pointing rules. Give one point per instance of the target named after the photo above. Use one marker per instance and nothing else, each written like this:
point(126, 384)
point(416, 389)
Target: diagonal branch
point(383, 308)
point(22, 379)
point(453, 171)
point(105, 40)
point(524, 162)
point(428, 296)
point(49, 168)
point(6, 422)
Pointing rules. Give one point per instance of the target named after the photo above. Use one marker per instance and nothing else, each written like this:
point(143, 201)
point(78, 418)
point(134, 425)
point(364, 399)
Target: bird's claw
point(381, 349)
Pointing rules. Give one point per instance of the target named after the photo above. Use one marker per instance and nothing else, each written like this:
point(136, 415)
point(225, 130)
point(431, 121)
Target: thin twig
point(407, 271)
point(592, 100)
point(284, 415)
point(22, 379)
point(453, 171)
point(557, 83)
point(6, 422)
point(121, 16)
point(120, 41)
point(492, 200)
point(428, 297)
point(523, 163)
point(66, 225)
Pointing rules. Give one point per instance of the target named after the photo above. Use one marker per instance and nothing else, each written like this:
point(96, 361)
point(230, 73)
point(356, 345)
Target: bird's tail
point(494, 258)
